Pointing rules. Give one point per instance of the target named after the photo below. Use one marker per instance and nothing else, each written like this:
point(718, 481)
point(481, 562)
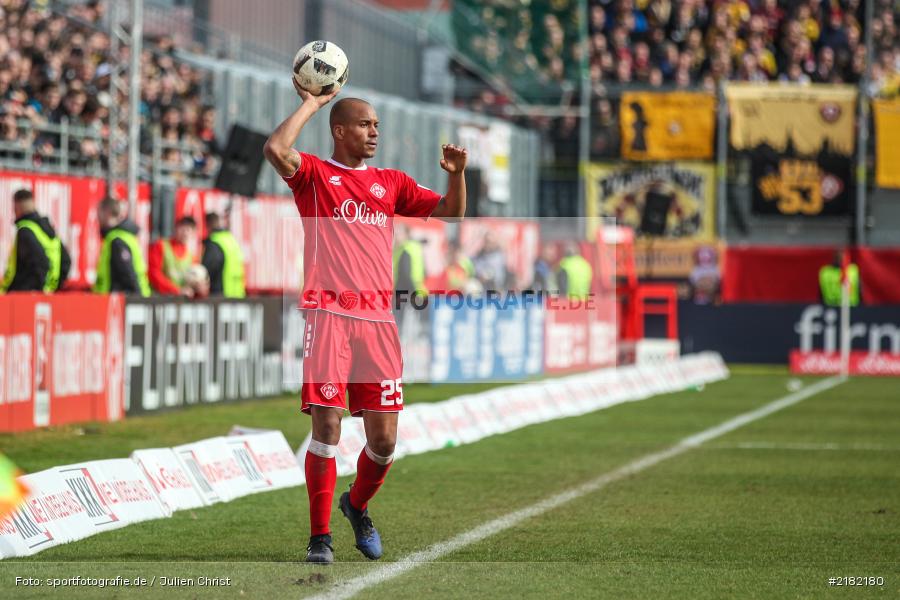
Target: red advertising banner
point(829, 363)
point(579, 336)
point(268, 228)
point(70, 204)
point(60, 359)
point(791, 274)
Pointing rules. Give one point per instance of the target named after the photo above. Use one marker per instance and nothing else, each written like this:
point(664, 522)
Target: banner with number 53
point(800, 141)
point(800, 186)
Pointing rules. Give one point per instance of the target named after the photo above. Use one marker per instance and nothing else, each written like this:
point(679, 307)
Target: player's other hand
point(317, 101)
point(455, 158)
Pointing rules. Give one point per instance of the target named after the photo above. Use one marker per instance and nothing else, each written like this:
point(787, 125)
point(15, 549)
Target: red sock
point(369, 477)
point(321, 476)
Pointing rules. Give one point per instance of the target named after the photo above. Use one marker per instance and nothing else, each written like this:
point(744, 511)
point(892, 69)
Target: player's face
point(360, 133)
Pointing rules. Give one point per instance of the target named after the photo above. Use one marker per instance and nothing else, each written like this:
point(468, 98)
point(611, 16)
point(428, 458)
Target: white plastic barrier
point(76, 501)
point(169, 477)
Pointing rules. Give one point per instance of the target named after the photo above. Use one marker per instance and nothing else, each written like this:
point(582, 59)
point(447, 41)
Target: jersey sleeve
point(303, 176)
point(414, 200)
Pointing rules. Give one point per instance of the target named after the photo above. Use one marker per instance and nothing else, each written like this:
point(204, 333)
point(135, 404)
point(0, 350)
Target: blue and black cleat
point(320, 550)
point(367, 539)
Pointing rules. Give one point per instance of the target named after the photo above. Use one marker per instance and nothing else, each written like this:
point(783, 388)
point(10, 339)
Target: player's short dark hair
point(23, 195)
point(341, 109)
point(213, 220)
point(186, 220)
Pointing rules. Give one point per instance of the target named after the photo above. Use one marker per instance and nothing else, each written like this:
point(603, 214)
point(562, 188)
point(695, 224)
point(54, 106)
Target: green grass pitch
point(771, 510)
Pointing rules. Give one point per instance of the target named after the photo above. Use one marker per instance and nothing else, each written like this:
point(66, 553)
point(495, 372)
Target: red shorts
point(342, 354)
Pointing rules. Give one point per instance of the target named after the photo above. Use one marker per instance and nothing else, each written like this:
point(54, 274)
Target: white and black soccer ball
point(321, 68)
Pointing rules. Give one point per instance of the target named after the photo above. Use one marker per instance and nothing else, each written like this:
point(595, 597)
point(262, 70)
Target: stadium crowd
point(670, 44)
point(55, 67)
point(684, 43)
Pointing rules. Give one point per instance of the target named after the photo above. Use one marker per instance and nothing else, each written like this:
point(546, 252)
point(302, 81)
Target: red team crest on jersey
point(329, 390)
point(377, 190)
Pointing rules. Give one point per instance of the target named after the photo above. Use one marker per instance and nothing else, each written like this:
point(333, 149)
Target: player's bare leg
point(371, 469)
point(321, 476)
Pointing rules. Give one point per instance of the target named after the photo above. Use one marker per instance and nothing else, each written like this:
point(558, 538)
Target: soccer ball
point(197, 279)
point(195, 275)
point(321, 68)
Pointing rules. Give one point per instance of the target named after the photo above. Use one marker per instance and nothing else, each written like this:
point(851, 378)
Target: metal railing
point(54, 148)
point(183, 168)
point(57, 148)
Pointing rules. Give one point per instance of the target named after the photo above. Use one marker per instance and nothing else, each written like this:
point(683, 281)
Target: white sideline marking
point(804, 446)
point(387, 571)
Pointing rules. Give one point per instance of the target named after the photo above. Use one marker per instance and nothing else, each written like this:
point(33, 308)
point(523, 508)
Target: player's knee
point(326, 427)
point(327, 433)
point(382, 445)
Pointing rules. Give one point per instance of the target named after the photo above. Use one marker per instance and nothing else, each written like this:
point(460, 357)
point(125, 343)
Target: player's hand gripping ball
point(321, 68)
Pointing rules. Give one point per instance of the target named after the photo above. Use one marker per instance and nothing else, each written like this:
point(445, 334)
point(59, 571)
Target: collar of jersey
point(343, 166)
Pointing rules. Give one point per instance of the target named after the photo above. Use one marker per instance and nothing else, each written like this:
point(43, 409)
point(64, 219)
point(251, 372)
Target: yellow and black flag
point(887, 143)
point(800, 140)
point(667, 126)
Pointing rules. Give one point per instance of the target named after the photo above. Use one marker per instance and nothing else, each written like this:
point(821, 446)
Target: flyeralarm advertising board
point(181, 353)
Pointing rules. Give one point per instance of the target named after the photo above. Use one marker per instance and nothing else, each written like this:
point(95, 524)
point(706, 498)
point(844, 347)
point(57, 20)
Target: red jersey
point(156, 263)
point(348, 228)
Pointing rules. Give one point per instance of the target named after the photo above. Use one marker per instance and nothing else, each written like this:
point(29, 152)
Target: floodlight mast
point(584, 134)
point(125, 31)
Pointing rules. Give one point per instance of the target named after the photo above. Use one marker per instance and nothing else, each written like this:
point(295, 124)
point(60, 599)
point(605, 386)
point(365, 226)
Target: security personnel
point(830, 282)
point(223, 260)
point(409, 265)
point(121, 266)
point(575, 275)
point(460, 271)
point(170, 259)
point(38, 261)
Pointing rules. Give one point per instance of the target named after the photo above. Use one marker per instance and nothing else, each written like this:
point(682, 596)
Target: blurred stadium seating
point(55, 99)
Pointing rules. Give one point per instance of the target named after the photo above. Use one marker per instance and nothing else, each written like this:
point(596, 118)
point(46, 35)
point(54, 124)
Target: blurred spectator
point(605, 140)
point(460, 270)
point(121, 266)
point(831, 281)
point(575, 275)
point(409, 265)
point(223, 259)
point(544, 273)
point(170, 260)
point(490, 264)
point(38, 260)
point(705, 279)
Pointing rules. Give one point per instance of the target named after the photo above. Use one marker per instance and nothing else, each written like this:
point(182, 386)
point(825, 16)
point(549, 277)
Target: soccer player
point(351, 340)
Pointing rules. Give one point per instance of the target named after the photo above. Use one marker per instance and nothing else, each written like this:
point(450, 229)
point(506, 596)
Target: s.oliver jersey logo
point(352, 211)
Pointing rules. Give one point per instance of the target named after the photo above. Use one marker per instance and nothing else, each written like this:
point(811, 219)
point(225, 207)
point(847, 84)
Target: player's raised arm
point(279, 148)
point(452, 206)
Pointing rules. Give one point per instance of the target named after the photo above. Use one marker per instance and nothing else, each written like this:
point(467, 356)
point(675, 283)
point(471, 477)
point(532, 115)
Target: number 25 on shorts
point(391, 392)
